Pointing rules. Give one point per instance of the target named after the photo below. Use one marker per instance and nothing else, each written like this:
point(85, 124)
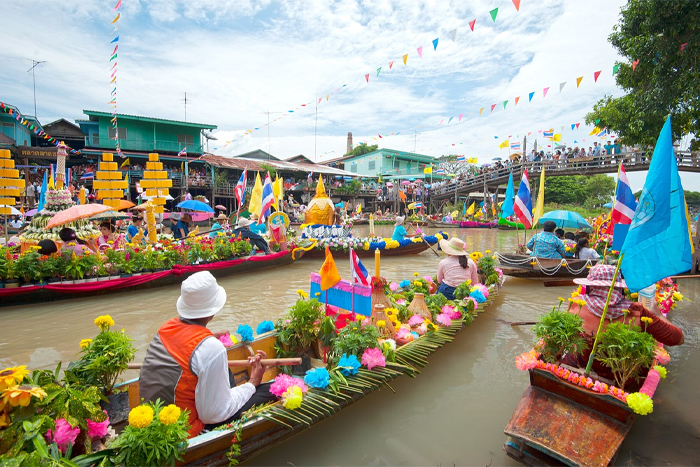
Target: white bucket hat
point(200, 296)
point(243, 222)
point(399, 220)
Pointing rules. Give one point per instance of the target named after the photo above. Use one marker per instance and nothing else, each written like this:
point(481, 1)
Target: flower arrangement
point(299, 329)
point(559, 333)
point(626, 351)
point(667, 295)
point(354, 339)
point(155, 436)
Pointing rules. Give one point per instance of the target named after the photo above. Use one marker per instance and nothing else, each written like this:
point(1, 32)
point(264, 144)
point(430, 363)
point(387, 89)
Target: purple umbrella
point(30, 213)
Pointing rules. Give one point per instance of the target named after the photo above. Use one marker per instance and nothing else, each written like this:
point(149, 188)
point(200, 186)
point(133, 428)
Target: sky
point(243, 63)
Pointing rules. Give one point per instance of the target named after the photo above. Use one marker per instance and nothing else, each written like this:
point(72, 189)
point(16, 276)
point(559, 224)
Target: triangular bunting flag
point(116, 18)
point(615, 68)
point(405, 59)
point(544, 92)
point(516, 100)
point(634, 64)
point(435, 43)
point(597, 121)
point(460, 117)
point(531, 94)
point(595, 76)
point(504, 104)
point(119, 3)
point(577, 125)
point(420, 51)
point(561, 86)
point(517, 4)
point(493, 14)
point(367, 77)
point(481, 110)
point(683, 46)
point(453, 35)
point(573, 125)
point(378, 70)
point(448, 122)
point(391, 63)
point(116, 39)
point(493, 107)
point(471, 24)
point(578, 80)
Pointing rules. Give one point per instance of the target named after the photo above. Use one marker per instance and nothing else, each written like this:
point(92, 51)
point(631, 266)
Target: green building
point(388, 163)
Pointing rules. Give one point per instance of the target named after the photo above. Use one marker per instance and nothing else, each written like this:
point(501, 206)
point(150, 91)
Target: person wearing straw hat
point(456, 268)
point(620, 310)
point(242, 229)
point(186, 364)
point(221, 225)
point(400, 231)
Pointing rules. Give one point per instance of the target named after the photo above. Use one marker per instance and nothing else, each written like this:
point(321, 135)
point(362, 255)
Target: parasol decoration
point(125, 204)
point(111, 215)
point(219, 206)
point(75, 213)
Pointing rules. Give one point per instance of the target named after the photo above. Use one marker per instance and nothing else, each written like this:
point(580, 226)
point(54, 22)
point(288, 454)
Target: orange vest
point(180, 339)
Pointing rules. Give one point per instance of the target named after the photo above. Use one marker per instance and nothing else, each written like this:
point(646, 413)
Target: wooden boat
point(362, 221)
point(557, 422)
point(517, 265)
point(505, 224)
point(412, 249)
point(487, 225)
point(275, 424)
point(444, 225)
point(61, 291)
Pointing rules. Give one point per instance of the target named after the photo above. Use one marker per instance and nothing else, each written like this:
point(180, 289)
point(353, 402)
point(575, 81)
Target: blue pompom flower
point(348, 365)
point(477, 295)
point(245, 331)
point(317, 378)
point(265, 326)
point(404, 283)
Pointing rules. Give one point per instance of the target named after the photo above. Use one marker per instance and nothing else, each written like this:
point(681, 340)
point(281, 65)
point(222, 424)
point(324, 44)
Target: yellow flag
point(470, 211)
point(479, 214)
point(51, 186)
point(126, 162)
point(504, 144)
point(596, 130)
point(472, 160)
point(428, 170)
point(256, 195)
point(557, 137)
point(454, 214)
point(82, 195)
point(359, 209)
point(329, 272)
point(276, 192)
point(539, 207)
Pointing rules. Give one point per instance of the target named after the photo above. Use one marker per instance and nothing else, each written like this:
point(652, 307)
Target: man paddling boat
point(186, 364)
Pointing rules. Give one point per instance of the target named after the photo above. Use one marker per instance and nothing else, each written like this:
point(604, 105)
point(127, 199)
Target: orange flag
point(329, 273)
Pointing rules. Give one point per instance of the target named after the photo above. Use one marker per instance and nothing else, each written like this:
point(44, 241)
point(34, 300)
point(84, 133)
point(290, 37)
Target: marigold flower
point(418, 283)
point(381, 323)
point(22, 395)
point(640, 403)
point(646, 319)
point(169, 414)
point(141, 416)
point(104, 322)
point(661, 370)
point(292, 398)
point(12, 376)
point(85, 343)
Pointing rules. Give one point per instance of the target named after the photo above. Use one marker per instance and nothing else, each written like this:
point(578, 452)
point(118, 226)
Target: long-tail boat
point(530, 267)
point(274, 424)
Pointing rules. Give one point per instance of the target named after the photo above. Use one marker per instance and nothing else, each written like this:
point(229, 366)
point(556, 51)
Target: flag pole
point(352, 279)
point(605, 253)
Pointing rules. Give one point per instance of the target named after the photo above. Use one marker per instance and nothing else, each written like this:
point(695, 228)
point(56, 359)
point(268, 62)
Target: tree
point(454, 166)
point(565, 190)
point(663, 39)
point(600, 189)
point(362, 149)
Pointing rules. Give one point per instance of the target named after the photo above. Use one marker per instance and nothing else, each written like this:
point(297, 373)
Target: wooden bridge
point(491, 182)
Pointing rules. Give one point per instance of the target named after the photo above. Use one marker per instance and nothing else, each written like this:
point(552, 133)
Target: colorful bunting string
point(113, 75)
point(37, 130)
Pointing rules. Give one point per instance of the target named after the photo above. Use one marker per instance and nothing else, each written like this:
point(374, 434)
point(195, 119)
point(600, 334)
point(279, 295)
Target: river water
point(453, 413)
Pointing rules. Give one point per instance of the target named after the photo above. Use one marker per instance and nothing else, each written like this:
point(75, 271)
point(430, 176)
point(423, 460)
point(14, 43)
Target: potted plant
point(298, 330)
point(354, 339)
point(27, 267)
point(560, 333)
point(89, 264)
point(627, 351)
point(7, 270)
point(74, 268)
point(103, 360)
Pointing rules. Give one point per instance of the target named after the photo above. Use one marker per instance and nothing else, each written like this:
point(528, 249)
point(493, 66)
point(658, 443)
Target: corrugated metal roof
point(150, 119)
point(240, 163)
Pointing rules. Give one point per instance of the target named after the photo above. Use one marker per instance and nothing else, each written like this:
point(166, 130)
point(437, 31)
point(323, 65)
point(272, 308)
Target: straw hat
point(399, 220)
point(601, 275)
point(222, 217)
point(243, 222)
point(200, 296)
point(453, 247)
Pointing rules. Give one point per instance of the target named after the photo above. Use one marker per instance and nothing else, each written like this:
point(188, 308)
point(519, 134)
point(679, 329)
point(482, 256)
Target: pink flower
point(394, 286)
point(400, 301)
point(428, 279)
point(415, 320)
point(444, 319)
point(283, 382)
point(226, 340)
point(64, 435)
point(662, 356)
point(97, 429)
point(651, 383)
point(448, 309)
point(402, 333)
point(526, 361)
point(372, 358)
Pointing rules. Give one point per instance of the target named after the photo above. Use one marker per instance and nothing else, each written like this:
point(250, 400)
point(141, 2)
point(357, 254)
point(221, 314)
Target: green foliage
point(362, 149)
point(487, 266)
point(350, 188)
point(27, 267)
point(665, 80)
point(327, 333)
point(626, 351)
point(103, 360)
point(577, 189)
point(297, 331)
point(155, 445)
point(691, 197)
point(463, 290)
point(435, 303)
point(354, 338)
point(264, 167)
point(561, 332)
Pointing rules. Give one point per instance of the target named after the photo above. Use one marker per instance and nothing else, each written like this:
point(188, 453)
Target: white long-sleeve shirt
point(215, 400)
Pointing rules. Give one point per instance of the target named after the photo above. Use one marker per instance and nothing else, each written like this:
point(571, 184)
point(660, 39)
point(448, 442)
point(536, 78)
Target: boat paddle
point(265, 362)
point(424, 240)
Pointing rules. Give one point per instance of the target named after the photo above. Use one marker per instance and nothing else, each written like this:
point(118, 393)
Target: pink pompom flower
point(444, 319)
point(97, 429)
point(415, 320)
point(64, 435)
point(394, 286)
point(283, 382)
point(226, 340)
point(526, 361)
point(373, 357)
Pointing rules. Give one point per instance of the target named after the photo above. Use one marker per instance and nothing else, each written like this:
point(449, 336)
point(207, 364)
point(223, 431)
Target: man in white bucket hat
point(187, 365)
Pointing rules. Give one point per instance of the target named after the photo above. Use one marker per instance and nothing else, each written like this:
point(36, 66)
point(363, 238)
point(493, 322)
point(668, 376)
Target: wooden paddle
point(265, 362)
point(426, 242)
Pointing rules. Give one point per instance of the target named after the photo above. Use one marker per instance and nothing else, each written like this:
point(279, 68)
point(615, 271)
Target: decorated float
point(505, 224)
point(462, 224)
point(345, 356)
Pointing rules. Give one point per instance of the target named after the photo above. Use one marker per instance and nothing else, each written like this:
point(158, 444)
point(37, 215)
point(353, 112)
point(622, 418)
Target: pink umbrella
point(218, 206)
point(405, 182)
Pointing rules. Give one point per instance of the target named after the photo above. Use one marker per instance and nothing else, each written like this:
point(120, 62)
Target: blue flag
point(507, 207)
point(658, 242)
point(42, 197)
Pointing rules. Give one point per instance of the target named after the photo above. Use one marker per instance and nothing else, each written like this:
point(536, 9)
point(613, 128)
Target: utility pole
point(34, 65)
point(315, 126)
point(269, 147)
point(415, 139)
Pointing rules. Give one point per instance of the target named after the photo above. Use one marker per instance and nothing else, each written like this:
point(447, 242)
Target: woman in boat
point(72, 243)
point(177, 227)
point(583, 252)
point(136, 225)
point(400, 231)
point(620, 310)
point(221, 225)
point(107, 230)
point(456, 268)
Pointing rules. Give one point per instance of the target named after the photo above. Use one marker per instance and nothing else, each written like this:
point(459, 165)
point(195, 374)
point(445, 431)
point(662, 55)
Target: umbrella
point(30, 213)
point(194, 205)
point(111, 215)
point(608, 205)
point(218, 206)
point(496, 159)
point(389, 185)
point(405, 182)
point(568, 219)
point(124, 204)
point(74, 213)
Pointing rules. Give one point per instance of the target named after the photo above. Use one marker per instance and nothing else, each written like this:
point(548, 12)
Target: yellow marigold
point(85, 343)
point(640, 403)
point(416, 274)
point(646, 319)
point(381, 323)
point(12, 376)
point(561, 299)
point(104, 322)
point(677, 296)
point(141, 416)
point(365, 246)
point(418, 283)
point(487, 252)
point(634, 295)
point(21, 395)
point(169, 414)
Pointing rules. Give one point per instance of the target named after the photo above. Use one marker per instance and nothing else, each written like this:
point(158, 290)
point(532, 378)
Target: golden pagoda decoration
point(61, 156)
point(156, 182)
point(109, 182)
point(10, 184)
point(321, 209)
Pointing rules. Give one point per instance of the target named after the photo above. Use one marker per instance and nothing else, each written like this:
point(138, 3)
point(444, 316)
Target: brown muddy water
point(453, 413)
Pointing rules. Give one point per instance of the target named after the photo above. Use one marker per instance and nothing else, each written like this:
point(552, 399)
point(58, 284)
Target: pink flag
point(391, 63)
point(595, 76)
point(634, 64)
point(471, 24)
point(119, 3)
point(493, 107)
point(517, 4)
point(460, 117)
point(516, 100)
point(544, 92)
point(367, 77)
point(683, 46)
point(420, 51)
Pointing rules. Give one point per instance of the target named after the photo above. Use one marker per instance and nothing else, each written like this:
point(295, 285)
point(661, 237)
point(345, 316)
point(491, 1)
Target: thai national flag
point(624, 205)
point(240, 187)
point(87, 176)
point(548, 134)
point(523, 202)
point(515, 145)
point(357, 270)
point(462, 158)
point(440, 171)
point(268, 199)
point(417, 205)
point(183, 152)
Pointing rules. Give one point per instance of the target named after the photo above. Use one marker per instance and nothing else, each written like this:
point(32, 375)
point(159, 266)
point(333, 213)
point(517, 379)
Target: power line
point(34, 65)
